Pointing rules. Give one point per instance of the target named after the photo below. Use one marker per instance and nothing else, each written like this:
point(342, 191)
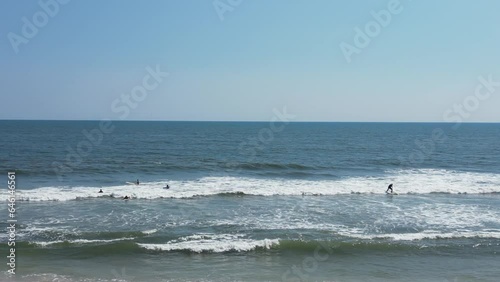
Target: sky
point(243, 60)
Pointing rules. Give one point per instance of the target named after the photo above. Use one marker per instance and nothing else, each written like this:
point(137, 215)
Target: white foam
point(80, 241)
point(149, 232)
point(429, 234)
point(455, 216)
point(421, 181)
point(216, 243)
point(48, 277)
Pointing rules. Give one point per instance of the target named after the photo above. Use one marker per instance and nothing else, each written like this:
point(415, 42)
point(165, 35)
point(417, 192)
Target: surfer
point(389, 188)
point(126, 197)
point(166, 187)
point(137, 182)
point(100, 191)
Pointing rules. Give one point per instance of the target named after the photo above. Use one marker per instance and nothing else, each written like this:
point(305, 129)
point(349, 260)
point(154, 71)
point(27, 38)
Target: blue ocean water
point(176, 150)
point(254, 201)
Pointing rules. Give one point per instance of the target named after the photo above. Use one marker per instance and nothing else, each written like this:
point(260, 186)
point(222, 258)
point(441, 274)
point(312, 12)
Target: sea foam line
point(216, 243)
point(432, 235)
point(80, 241)
point(422, 181)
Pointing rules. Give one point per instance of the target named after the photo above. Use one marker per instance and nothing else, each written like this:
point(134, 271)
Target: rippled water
point(308, 204)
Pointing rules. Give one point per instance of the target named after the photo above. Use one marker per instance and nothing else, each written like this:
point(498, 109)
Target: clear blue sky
point(262, 55)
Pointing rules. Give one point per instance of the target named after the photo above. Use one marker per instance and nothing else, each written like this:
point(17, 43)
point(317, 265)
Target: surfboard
point(131, 183)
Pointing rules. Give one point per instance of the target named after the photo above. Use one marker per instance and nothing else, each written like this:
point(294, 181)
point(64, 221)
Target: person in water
point(137, 182)
point(100, 191)
point(167, 187)
point(126, 197)
point(389, 188)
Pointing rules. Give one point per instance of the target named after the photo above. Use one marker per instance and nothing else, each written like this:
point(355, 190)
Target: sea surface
point(252, 201)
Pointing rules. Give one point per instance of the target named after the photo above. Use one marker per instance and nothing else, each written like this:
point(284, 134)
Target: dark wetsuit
point(389, 188)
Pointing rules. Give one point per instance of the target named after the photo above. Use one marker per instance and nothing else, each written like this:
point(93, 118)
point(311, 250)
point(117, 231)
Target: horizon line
point(319, 121)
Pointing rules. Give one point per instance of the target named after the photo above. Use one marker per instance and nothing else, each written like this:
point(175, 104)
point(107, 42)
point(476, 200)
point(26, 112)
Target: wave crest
point(405, 182)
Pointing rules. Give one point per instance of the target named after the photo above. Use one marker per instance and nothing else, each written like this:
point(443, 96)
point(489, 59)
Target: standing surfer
point(389, 188)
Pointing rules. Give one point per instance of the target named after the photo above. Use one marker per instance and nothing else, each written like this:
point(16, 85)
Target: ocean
point(251, 201)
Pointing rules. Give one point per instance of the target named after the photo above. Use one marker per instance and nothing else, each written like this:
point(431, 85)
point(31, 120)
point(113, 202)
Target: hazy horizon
point(256, 121)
